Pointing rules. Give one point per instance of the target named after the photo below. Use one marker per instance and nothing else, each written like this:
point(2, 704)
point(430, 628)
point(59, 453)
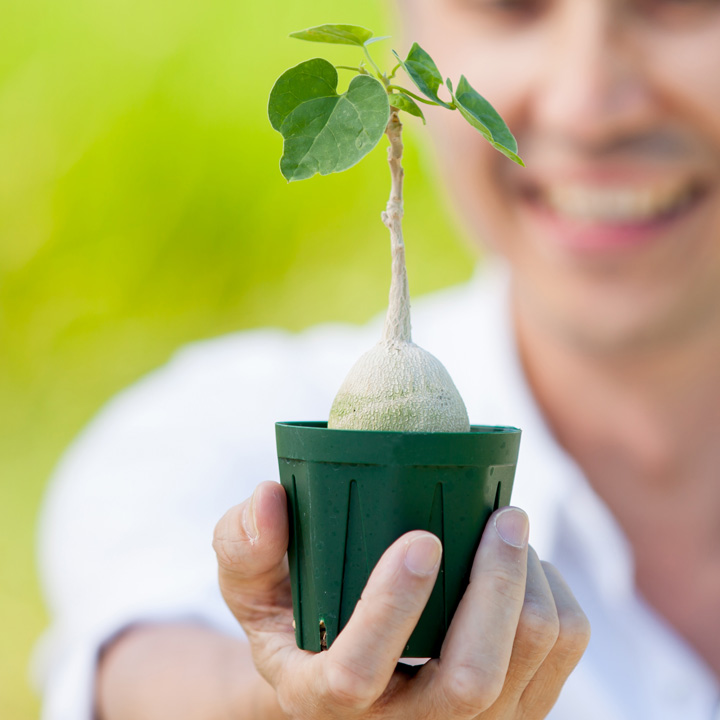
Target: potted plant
point(398, 452)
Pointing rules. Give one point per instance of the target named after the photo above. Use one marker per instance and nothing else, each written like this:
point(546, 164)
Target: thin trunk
point(397, 320)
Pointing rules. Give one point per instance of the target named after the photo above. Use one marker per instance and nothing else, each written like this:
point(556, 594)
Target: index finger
point(475, 656)
point(356, 670)
point(362, 659)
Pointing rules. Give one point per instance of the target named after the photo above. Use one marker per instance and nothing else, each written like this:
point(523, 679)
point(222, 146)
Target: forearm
point(182, 671)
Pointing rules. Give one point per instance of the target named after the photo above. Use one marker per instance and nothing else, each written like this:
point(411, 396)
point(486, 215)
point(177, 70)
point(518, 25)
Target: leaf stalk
point(372, 62)
point(412, 95)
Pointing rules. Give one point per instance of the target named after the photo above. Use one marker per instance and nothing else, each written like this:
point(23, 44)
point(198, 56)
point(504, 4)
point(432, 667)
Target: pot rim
point(313, 441)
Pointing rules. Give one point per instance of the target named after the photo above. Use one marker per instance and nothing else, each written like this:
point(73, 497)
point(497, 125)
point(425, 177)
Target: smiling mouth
point(615, 205)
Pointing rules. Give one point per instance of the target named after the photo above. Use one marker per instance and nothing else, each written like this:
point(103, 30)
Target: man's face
point(613, 228)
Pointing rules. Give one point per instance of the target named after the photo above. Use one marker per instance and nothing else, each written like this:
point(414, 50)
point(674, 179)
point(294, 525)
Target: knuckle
point(509, 583)
point(539, 627)
point(574, 637)
point(389, 610)
point(222, 551)
point(392, 607)
point(228, 545)
point(348, 688)
point(227, 552)
point(471, 691)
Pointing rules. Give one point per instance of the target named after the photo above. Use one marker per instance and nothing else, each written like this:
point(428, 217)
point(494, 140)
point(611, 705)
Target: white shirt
point(127, 523)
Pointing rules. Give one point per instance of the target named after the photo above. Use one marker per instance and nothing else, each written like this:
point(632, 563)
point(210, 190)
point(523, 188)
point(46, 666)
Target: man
point(603, 343)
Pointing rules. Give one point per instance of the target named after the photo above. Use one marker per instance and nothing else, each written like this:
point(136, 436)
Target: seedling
point(396, 385)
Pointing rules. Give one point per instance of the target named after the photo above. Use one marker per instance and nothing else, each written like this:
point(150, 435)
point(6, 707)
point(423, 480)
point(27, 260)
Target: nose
point(593, 87)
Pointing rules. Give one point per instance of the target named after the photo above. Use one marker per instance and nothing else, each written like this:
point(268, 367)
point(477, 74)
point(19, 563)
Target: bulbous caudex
point(396, 385)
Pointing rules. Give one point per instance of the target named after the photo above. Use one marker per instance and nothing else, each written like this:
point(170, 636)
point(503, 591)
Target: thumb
point(250, 542)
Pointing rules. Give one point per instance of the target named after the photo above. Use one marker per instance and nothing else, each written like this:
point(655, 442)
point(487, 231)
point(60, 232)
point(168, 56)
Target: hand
point(515, 637)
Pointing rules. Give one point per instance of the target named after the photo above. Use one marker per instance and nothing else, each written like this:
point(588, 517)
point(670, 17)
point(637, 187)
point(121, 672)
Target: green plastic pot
point(352, 493)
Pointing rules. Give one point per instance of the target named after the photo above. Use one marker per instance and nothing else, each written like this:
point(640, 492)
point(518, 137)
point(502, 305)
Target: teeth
point(615, 205)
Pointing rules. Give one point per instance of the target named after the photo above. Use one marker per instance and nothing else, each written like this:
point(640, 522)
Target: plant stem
point(372, 62)
point(397, 320)
point(411, 94)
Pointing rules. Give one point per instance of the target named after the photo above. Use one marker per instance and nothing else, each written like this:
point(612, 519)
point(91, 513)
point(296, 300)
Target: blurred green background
point(141, 207)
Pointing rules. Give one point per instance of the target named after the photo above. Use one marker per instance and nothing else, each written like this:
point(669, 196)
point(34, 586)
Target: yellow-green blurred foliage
point(141, 206)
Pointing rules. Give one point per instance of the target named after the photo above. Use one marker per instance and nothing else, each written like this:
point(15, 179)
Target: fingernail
point(512, 526)
point(423, 554)
point(248, 519)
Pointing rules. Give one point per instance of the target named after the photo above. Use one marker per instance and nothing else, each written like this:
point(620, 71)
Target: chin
point(622, 322)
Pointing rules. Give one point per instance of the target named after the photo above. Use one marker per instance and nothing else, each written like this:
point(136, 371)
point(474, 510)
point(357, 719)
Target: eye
point(510, 6)
point(509, 9)
point(679, 14)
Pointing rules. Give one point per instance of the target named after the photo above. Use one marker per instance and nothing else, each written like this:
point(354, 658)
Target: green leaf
point(335, 34)
point(483, 116)
point(406, 103)
point(424, 73)
point(325, 132)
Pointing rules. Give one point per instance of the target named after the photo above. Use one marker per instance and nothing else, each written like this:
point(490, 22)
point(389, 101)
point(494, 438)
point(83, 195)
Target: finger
point(537, 632)
point(250, 542)
point(360, 663)
point(573, 637)
point(476, 653)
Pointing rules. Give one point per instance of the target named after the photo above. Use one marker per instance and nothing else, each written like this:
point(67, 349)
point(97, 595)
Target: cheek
point(476, 178)
point(500, 65)
point(684, 67)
